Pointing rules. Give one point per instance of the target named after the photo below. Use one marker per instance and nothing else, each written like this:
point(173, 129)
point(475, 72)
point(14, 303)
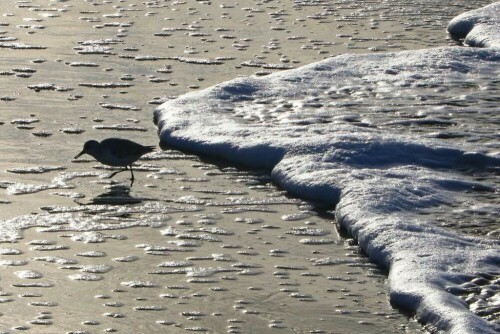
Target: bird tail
point(149, 149)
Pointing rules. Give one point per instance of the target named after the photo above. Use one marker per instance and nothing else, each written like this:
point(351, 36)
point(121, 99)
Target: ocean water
point(203, 246)
point(405, 145)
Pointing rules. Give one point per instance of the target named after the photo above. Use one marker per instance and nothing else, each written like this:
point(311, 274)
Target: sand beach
point(196, 244)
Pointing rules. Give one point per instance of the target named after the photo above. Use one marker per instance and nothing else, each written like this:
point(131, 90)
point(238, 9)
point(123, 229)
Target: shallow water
point(95, 69)
point(225, 252)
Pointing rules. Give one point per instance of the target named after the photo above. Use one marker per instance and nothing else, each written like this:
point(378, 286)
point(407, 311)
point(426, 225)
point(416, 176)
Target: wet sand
point(226, 252)
point(191, 246)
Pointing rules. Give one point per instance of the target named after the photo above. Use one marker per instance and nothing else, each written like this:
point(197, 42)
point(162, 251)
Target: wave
point(337, 131)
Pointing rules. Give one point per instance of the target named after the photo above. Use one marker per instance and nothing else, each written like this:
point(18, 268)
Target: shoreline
point(75, 71)
point(381, 181)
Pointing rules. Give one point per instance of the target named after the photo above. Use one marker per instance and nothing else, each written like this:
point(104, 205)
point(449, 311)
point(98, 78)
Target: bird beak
point(79, 154)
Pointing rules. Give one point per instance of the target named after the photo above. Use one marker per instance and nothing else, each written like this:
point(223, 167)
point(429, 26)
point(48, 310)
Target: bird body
point(116, 152)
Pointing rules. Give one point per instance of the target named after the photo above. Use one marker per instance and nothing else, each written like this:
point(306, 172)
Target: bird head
point(90, 147)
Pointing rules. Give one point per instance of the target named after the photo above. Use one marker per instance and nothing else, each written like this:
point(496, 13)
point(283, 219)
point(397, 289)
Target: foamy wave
point(336, 131)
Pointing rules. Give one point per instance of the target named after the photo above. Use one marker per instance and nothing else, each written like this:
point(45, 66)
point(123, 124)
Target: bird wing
point(123, 148)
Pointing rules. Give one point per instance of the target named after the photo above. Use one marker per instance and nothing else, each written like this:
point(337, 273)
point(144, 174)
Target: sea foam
point(480, 27)
point(342, 131)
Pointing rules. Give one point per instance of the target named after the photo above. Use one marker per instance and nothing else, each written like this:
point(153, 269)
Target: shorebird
point(116, 152)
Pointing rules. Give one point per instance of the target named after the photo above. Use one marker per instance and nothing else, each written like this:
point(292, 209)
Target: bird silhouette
point(116, 152)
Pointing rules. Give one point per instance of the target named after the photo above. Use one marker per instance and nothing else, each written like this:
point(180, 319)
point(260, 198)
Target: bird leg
point(114, 173)
point(132, 178)
point(131, 172)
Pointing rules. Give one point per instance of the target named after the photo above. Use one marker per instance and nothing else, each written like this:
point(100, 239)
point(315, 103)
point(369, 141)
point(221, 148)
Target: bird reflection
point(116, 195)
